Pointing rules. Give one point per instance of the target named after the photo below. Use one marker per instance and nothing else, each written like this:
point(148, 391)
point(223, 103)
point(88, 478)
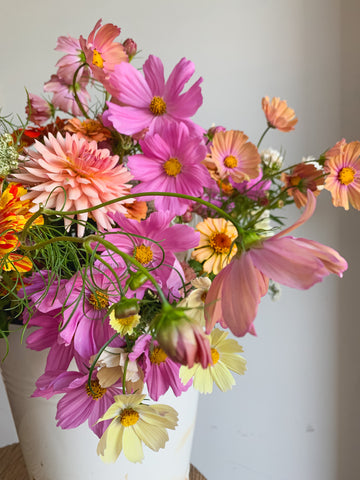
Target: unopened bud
point(130, 48)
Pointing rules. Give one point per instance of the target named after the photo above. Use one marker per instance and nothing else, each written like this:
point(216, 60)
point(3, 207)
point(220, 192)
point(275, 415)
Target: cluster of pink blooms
point(139, 186)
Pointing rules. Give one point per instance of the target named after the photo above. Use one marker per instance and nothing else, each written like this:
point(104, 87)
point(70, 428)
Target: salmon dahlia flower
point(342, 166)
point(234, 156)
point(134, 423)
point(278, 114)
point(236, 291)
point(69, 173)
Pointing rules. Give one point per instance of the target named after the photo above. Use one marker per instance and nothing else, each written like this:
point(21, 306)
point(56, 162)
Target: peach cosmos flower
point(234, 156)
point(73, 174)
point(216, 248)
point(302, 177)
point(342, 166)
point(101, 52)
point(278, 114)
point(89, 129)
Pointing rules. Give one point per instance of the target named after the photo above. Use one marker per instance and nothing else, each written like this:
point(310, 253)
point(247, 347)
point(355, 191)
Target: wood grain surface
point(12, 465)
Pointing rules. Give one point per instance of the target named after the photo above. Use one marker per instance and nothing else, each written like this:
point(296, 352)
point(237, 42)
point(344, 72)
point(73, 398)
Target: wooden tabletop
point(12, 465)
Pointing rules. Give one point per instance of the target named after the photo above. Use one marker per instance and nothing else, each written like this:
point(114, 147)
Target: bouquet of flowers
point(133, 241)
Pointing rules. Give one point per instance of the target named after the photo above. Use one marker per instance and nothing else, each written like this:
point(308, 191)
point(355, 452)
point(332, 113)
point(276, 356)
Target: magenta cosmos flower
point(73, 174)
point(171, 162)
point(235, 293)
point(160, 372)
point(154, 245)
point(148, 102)
point(101, 52)
point(82, 403)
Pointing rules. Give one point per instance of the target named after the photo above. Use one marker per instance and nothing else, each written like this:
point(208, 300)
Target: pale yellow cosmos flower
point(225, 355)
point(133, 424)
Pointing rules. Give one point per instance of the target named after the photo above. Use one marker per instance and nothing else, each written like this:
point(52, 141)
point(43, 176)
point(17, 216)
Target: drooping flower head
point(225, 358)
point(236, 291)
point(63, 93)
point(69, 63)
point(72, 174)
point(133, 423)
point(216, 248)
point(342, 166)
point(234, 156)
point(171, 162)
point(278, 114)
point(38, 109)
point(101, 52)
point(148, 102)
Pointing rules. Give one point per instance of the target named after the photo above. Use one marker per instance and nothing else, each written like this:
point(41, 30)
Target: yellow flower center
point(129, 417)
point(96, 391)
point(97, 59)
point(157, 106)
point(215, 355)
point(230, 161)
point(99, 299)
point(143, 254)
point(220, 243)
point(172, 167)
point(157, 356)
point(346, 175)
point(295, 180)
point(120, 324)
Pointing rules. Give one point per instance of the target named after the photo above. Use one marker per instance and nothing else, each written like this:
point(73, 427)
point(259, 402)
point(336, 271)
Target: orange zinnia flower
point(343, 168)
point(278, 114)
point(303, 176)
point(14, 213)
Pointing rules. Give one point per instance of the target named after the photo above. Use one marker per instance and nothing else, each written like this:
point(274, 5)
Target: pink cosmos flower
point(236, 291)
point(154, 245)
point(72, 174)
point(101, 52)
point(63, 97)
point(80, 403)
point(38, 109)
point(160, 372)
point(148, 102)
point(171, 162)
point(87, 300)
point(69, 63)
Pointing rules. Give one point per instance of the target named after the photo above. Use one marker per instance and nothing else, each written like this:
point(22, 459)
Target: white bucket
point(51, 453)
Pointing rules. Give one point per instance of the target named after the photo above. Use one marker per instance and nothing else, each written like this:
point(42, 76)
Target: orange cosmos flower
point(14, 213)
point(89, 129)
point(234, 156)
point(342, 165)
point(278, 114)
point(303, 176)
point(216, 246)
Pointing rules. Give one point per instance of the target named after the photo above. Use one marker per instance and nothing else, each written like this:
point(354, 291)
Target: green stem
point(149, 194)
point(124, 375)
point(77, 99)
point(262, 136)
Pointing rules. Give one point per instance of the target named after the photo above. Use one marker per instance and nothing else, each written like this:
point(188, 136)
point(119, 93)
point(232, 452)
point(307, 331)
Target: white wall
point(286, 418)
